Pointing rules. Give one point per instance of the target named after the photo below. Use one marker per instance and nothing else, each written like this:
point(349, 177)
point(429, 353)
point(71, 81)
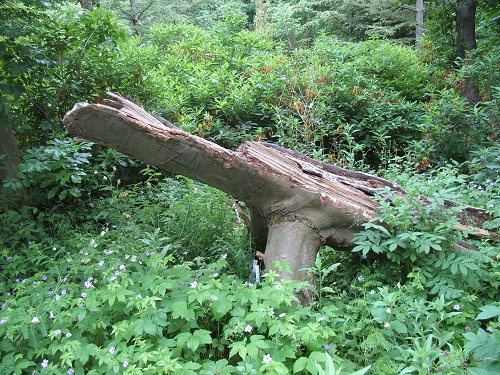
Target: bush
point(66, 169)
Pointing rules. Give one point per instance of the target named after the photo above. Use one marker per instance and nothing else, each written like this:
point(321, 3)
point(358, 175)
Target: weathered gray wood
point(297, 203)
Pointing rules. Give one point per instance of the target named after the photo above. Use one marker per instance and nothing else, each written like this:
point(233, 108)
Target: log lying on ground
point(297, 203)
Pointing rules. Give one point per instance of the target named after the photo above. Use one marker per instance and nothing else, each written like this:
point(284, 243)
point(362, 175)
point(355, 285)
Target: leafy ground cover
point(153, 278)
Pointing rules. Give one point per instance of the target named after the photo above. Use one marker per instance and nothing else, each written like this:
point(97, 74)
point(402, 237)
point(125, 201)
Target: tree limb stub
point(297, 202)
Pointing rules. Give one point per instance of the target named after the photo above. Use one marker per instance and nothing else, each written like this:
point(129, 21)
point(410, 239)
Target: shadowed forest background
point(109, 266)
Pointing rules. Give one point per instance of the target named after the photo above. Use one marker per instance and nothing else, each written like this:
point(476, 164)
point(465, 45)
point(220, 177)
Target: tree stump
point(297, 203)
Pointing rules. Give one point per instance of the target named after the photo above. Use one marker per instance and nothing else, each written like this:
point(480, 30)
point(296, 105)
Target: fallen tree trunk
point(297, 203)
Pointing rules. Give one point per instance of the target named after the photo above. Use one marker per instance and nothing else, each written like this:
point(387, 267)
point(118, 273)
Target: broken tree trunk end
point(297, 204)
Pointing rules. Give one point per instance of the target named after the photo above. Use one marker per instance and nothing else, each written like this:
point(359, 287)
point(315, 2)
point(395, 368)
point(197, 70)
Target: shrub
point(66, 169)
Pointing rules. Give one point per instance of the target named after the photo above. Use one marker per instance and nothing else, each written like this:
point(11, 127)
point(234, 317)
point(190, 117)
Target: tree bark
point(261, 19)
point(466, 42)
point(297, 203)
point(419, 30)
point(86, 4)
point(9, 160)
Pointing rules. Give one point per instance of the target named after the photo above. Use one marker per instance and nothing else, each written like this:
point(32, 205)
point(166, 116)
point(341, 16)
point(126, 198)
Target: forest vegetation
point(112, 266)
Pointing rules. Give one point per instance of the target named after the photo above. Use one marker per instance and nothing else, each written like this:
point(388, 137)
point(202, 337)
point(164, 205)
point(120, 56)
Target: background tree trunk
point(86, 4)
point(419, 30)
point(134, 18)
point(9, 160)
point(261, 19)
point(466, 42)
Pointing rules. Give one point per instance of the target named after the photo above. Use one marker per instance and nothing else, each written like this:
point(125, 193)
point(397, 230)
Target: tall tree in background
point(419, 30)
point(261, 19)
point(466, 43)
point(299, 22)
point(86, 4)
point(133, 11)
point(15, 57)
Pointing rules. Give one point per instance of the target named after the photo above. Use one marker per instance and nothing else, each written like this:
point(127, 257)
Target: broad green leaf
point(362, 371)
point(488, 312)
point(399, 327)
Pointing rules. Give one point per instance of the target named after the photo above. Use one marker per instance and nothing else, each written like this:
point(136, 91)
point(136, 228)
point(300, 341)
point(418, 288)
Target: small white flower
point(387, 325)
point(122, 267)
point(93, 243)
point(267, 358)
point(193, 285)
point(279, 287)
point(214, 297)
point(282, 315)
point(35, 320)
point(125, 364)
point(388, 310)
point(248, 329)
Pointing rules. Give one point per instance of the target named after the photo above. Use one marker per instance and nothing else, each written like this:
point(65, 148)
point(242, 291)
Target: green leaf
point(24, 363)
point(182, 338)
point(180, 310)
point(63, 194)
point(300, 364)
point(363, 371)
point(399, 327)
point(379, 314)
point(76, 179)
point(488, 312)
point(203, 335)
point(52, 193)
point(83, 352)
point(193, 343)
